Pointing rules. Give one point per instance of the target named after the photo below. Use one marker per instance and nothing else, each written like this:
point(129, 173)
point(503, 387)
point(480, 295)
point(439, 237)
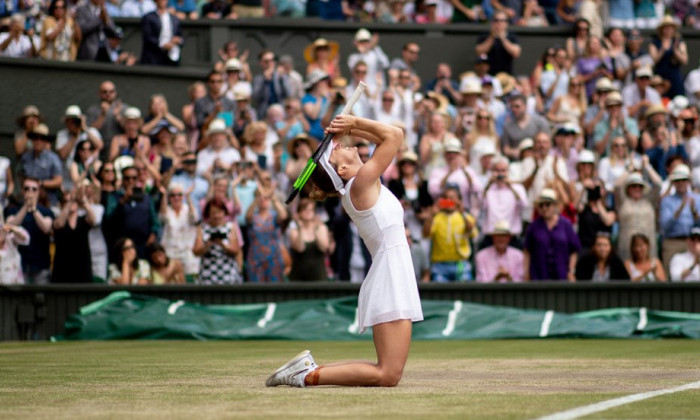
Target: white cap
point(73, 111)
point(363, 35)
point(453, 145)
point(216, 126)
point(679, 173)
point(132, 113)
point(470, 85)
point(502, 227)
point(586, 156)
point(644, 72)
point(678, 104)
point(233, 65)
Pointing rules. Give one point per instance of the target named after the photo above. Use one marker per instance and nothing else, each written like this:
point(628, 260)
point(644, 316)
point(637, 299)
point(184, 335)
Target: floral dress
point(264, 263)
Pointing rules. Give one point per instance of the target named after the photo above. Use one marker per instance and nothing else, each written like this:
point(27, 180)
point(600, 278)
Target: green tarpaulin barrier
point(122, 315)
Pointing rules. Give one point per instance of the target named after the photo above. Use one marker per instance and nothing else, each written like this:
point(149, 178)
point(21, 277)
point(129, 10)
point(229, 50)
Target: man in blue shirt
point(679, 213)
point(186, 176)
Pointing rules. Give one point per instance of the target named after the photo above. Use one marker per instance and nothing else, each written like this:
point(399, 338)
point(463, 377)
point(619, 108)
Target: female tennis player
point(388, 300)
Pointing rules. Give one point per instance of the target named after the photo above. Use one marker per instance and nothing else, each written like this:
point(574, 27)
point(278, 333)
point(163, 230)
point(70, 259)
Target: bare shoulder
point(364, 195)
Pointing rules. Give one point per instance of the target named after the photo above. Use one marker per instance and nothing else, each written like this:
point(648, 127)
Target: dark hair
point(267, 51)
point(519, 97)
point(214, 202)
point(671, 158)
point(641, 237)
point(605, 235)
point(212, 73)
point(117, 250)
point(451, 187)
point(52, 6)
point(156, 247)
point(80, 146)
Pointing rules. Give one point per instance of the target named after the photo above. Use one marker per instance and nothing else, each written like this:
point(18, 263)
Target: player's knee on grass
point(390, 377)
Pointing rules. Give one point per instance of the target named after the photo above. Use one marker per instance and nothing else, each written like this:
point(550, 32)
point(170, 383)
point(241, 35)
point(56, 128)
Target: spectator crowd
point(586, 169)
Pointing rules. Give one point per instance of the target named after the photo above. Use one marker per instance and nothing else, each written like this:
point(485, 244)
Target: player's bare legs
point(392, 341)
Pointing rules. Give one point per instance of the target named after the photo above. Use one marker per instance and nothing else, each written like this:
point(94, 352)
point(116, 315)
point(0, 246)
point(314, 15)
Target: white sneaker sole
point(287, 365)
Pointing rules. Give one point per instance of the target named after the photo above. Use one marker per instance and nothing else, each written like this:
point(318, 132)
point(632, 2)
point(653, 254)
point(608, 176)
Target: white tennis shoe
point(294, 371)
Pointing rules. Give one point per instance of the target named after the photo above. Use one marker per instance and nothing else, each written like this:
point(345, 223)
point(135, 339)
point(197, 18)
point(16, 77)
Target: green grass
point(515, 379)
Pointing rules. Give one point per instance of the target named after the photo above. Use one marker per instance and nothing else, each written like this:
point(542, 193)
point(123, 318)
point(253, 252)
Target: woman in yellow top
point(60, 34)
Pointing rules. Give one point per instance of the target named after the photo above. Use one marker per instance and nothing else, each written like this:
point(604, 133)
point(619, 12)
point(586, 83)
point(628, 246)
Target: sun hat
point(216, 126)
point(316, 76)
point(645, 71)
point(333, 48)
point(566, 128)
point(655, 109)
point(666, 21)
point(41, 131)
point(363, 35)
point(233, 64)
point(502, 227)
point(547, 195)
point(636, 178)
point(132, 113)
point(163, 125)
point(525, 144)
point(603, 85)
point(301, 138)
point(73, 111)
point(30, 111)
point(453, 145)
point(408, 156)
point(586, 156)
point(614, 98)
point(471, 86)
point(680, 173)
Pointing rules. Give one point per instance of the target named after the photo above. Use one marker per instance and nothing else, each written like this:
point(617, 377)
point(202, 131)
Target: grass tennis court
point(514, 379)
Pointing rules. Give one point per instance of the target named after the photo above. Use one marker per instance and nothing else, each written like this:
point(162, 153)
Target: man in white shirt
point(218, 156)
point(15, 43)
point(543, 168)
point(639, 96)
point(369, 51)
point(137, 8)
point(686, 265)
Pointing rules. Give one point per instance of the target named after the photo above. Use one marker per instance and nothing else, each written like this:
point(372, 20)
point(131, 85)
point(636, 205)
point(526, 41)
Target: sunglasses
point(86, 149)
point(618, 145)
point(31, 189)
point(544, 205)
point(130, 178)
point(582, 28)
point(175, 194)
point(388, 99)
point(360, 71)
point(414, 51)
point(126, 247)
point(483, 117)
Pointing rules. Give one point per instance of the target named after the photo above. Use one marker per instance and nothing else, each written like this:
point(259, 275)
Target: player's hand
point(342, 124)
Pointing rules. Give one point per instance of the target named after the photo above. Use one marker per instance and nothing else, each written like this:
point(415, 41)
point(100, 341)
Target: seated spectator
point(132, 142)
point(36, 219)
point(131, 212)
point(430, 13)
point(615, 124)
point(158, 113)
point(450, 228)
point(161, 43)
point(245, 114)
point(636, 204)
point(183, 9)
point(489, 102)
point(596, 109)
point(264, 262)
point(601, 264)
point(72, 263)
point(161, 156)
point(218, 246)
point(15, 42)
point(255, 148)
point(551, 246)
point(393, 12)
point(218, 9)
point(555, 81)
point(642, 265)
point(42, 164)
point(519, 126)
point(456, 172)
point(503, 200)
point(127, 268)
point(60, 34)
point(236, 78)
point(309, 241)
point(299, 150)
point(678, 215)
point(178, 215)
point(499, 263)
point(163, 269)
point(137, 8)
point(11, 237)
point(685, 266)
point(218, 155)
point(187, 177)
point(27, 122)
point(93, 19)
point(483, 133)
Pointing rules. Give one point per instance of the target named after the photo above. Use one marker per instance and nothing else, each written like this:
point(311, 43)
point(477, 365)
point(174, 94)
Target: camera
point(593, 193)
point(500, 177)
point(217, 235)
point(446, 204)
point(137, 194)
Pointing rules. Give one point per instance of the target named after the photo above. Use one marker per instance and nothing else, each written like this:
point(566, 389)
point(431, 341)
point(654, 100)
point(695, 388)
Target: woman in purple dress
point(594, 64)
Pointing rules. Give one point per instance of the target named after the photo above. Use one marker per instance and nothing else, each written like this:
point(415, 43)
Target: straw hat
point(471, 86)
point(41, 131)
point(655, 109)
point(507, 82)
point(333, 48)
point(680, 173)
point(502, 227)
point(301, 138)
point(408, 156)
point(525, 144)
point(440, 100)
point(453, 145)
point(28, 111)
point(614, 98)
point(316, 76)
point(666, 21)
point(603, 85)
point(547, 195)
point(635, 178)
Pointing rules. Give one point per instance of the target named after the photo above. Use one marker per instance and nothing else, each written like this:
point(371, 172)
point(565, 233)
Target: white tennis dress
point(389, 292)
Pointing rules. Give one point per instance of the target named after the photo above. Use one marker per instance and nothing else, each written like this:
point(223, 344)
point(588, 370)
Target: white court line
point(452, 318)
point(269, 314)
point(546, 322)
point(606, 405)
point(643, 320)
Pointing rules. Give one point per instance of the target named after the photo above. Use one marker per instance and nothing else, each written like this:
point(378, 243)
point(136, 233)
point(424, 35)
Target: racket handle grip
point(292, 196)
